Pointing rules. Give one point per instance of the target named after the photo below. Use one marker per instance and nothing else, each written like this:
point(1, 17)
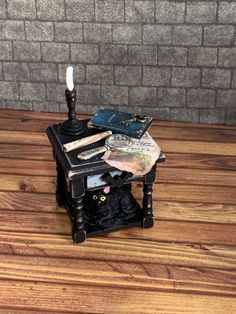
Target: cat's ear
point(106, 189)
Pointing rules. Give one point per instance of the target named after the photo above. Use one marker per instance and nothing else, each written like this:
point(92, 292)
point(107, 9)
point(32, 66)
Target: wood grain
point(23, 183)
point(194, 211)
point(193, 134)
point(163, 230)
point(159, 131)
point(25, 152)
point(184, 264)
point(163, 210)
point(162, 191)
point(199, 161)
point(117, 249)
point(197, 147)
point(62, 297)
point(28, 167)
point(23, 137)
point(166, 175)
point(146, 276)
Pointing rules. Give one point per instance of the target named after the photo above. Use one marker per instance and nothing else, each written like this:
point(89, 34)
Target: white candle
point(69, 78)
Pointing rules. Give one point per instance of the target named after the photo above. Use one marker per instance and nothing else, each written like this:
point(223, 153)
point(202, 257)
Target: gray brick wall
point(173, 59)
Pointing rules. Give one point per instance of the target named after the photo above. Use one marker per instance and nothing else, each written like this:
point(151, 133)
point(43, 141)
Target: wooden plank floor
point(184, 264)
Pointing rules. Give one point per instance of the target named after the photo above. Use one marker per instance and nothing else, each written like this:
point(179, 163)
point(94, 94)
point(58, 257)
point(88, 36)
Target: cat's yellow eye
point(103, 198)
point(95, 197)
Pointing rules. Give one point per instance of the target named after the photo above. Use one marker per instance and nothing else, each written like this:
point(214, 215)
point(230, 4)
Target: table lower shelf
point(120, 211)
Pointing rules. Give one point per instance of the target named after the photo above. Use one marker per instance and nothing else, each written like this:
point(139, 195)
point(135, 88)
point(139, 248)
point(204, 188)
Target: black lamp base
point(72, 127)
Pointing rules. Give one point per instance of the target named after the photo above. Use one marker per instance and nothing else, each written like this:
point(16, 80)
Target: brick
point(128, 75)
point(80, 10)
point(201, 12)
point(109, 10)
point(115, 95)
point(133, 109)
point(45, 106)
point(6, 50)
point(39, 106)
point(68, 32)
point(21, 9)
point(184, 115)
point(113, 54)
point(187, 35)
point(56, 92)
point(172, 56)
point(218, 35)
point(3, 104)
point(216, 78)
point(40, 31)
point(157, 34)
point(201, 98)
point(78, 73)
point(3, 9)
point(200, 56)
point(84, 53)
point(230, 117)
point(153, 76)
point(227, 57)
point(88, 94)
point(26, 105)
point(127, 33)
point(63, 108)
point(55, 52)
point(234, 79)
point(227, 12)
point(91, 109)
point(99, 74)
point(14, 71)
point(169, 12)
point(210, 116)
point(97, 33)
point(139, 11)
point(9, 90)
point(1, 71)
point(13, 104)
point(171, 97)
point(13, 30)
point(226, 98)
point(43, 72)
point(143, 55)
point(52, 10)
point(145, 96)
point(26, 51)
point(54, 107)
point(32, 91)
point(185, 77)
point(158, 113)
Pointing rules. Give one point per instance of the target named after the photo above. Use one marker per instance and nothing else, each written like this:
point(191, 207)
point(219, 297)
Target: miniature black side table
point(75, 177)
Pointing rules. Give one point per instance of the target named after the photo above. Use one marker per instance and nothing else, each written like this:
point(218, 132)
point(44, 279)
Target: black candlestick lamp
point(71, 126)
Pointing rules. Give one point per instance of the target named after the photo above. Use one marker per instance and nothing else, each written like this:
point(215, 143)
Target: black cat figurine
point(110, 207)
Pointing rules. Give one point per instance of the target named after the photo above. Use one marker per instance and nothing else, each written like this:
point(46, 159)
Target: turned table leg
point(61, 185)
point(78, 230)
point(148, 219)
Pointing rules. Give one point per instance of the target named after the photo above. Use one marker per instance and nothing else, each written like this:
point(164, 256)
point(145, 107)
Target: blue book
point(121, 122)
